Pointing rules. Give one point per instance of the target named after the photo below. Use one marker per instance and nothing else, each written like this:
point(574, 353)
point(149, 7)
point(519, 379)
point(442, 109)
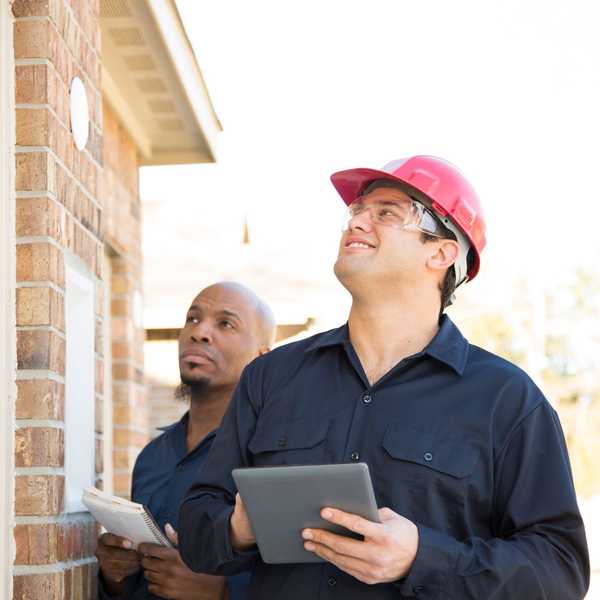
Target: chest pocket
point(425, 455)
point(298, 442)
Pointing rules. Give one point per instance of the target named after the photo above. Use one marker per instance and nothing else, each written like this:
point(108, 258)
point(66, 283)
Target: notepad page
point(125, 519)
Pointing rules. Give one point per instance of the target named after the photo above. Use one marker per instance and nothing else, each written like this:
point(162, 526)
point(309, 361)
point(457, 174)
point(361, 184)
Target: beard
point(189, 388)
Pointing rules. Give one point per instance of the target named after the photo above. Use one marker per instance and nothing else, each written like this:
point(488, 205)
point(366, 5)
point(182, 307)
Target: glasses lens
point(405, 214)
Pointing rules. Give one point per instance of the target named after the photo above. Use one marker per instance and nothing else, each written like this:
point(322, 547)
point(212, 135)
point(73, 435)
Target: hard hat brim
point(350, 183)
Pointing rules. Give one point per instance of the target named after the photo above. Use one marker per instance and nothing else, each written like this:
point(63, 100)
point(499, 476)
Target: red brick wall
point(123, 236)
point(58, 211)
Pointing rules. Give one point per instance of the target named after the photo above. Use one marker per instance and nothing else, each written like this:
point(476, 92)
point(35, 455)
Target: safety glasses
point(407, 214)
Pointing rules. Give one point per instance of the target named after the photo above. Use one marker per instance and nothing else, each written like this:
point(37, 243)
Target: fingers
point(354, 566)
point(387, 514)
point(154, 576)
point(171, 534)
point(159, 590)
point(110, 539)
point(153, 564)
point(115, 561)
point(118, 554)
point(338, 543)
point(157, 551)
point(242, 536)
point(351, 522)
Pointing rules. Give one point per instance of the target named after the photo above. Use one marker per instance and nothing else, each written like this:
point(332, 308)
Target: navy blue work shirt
point(459, 441)
point(162, 474)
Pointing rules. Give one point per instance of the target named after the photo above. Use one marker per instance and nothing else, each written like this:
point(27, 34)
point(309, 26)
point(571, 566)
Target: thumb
point(171, 534)
point(386, 514)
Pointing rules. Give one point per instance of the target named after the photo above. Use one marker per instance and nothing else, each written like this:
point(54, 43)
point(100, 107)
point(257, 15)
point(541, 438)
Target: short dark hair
point(448, 284)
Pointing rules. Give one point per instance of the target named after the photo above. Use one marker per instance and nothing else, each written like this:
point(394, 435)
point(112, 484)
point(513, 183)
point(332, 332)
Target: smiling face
point(375, 254)
point(220, 337)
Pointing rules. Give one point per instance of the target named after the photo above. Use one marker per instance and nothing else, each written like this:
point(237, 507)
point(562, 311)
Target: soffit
point(153, 82)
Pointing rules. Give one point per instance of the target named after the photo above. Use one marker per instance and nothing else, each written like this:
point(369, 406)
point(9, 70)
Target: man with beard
point(226, 327)
point(467, 458)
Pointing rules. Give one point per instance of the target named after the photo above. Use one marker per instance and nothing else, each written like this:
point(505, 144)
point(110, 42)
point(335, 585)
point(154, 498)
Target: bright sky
point(507, 90)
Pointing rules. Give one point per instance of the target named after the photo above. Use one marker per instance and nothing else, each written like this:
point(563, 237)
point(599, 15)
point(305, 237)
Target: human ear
point(445, 255)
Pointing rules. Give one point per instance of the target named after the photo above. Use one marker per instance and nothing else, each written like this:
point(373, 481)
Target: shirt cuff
point(130, 586)
point(434, 563)
point(242, 559)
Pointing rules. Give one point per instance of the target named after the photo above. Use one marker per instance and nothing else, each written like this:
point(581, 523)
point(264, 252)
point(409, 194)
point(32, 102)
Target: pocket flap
point(289, 435)
point(429, 450)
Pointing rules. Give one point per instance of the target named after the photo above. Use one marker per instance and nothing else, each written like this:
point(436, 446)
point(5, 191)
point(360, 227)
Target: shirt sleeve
point(540, 548)
point(135, 588)
point(204, 539)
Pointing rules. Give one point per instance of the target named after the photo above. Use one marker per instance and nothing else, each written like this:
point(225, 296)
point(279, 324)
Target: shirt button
point(331, 581)
point(367, 398)
point(354, 456)
point(282, 441)
point(418, 589)
point(428, 456)
point(180, 467)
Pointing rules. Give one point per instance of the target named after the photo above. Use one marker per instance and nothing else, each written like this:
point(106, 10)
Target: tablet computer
point(282, 501)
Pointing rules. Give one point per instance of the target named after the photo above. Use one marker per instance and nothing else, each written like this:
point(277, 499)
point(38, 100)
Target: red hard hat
point(446, 191)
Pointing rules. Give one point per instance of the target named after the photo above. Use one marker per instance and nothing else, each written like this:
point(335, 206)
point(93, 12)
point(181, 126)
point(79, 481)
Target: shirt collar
point(182, 423)
point(448, 345)
point(333, 337)
point(178, 433)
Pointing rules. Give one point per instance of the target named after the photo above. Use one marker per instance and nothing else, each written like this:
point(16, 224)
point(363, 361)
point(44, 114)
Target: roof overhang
point(151, 79)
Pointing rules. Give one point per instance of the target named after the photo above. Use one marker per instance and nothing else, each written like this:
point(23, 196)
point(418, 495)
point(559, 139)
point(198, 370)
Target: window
point(79, 383)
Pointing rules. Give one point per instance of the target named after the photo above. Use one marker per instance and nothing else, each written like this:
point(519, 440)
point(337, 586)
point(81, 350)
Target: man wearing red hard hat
point(467, 457)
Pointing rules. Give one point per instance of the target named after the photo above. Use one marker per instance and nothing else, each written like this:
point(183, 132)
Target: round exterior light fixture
point(80, 113)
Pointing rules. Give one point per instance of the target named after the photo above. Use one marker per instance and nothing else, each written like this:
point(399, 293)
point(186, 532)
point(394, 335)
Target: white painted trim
point(186, 68)
point(80, 289)
point(8, 333)
point(107, 400)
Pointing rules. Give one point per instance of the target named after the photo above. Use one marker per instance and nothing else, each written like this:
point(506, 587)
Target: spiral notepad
point(124, 518)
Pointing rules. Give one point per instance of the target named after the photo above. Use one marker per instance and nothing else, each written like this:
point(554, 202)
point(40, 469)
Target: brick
point(122, 350)
point(122, 459)
point(32, 39)
point(123, 438)
point(99, 456)
point(123, 371)
point(40, 399)
point(40, 349)
point(40, 216)
point(46, 586)
point(99, 337)
point(33, 8)
point(32, 84)
point(38, 495)
point(98, 414)
point(122, 484)
point(39, 447)
point(94, 144)
point(40, 306)
point(99, 378)
point(76, 540)
point(33, 171)
point(40, 262)
point(33, 306)
point(130, 415)
point(36, 544)
point(32, 127)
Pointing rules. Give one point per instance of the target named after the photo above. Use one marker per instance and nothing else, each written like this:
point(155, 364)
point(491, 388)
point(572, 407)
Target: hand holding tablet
point(283, 501)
